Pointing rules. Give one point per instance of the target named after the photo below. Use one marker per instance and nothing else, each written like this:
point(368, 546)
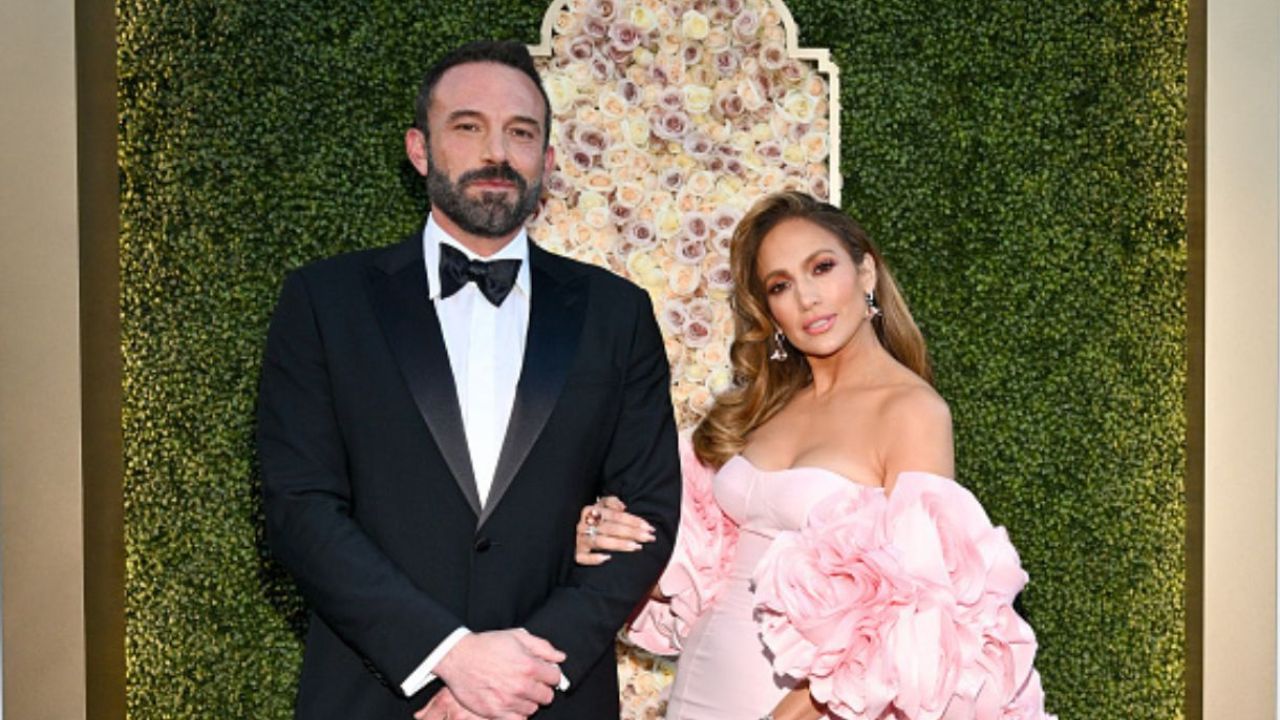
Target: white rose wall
point(1023, 167)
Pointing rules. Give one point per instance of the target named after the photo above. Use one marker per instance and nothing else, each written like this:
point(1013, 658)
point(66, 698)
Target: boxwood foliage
point(1021, 163)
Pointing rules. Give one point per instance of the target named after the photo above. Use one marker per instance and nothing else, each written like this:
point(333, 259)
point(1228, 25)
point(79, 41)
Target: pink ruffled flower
point(703, 553)
point(901, 606)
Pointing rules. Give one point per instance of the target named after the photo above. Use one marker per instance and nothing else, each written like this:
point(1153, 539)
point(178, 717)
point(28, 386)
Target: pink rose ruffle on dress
point(900, 606)
point(699, 563)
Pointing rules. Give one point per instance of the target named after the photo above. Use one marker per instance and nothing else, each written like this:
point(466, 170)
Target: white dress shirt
point(486, 351)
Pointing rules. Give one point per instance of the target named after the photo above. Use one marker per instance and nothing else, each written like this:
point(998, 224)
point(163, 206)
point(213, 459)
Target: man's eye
point(523, 133)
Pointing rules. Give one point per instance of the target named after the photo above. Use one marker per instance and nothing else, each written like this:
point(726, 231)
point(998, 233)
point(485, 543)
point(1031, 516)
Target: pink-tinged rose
point(671, 98)
point(673, 317)
point(697, 144)
point(726, 61)
point(591, 139)
point(641, 234)
point(722, 244)
point(671, 179)
point(603, 9)
point(720, 279)
point(602, 68)
point(696, 225)
point(697, 333)
point(629, 91)
point(581, 160)
point(625, 36)
point(730, 7)
point(701, 309)
point(690, 250)
point(746, 24)
point(773, 56)
point(793, 71)
point(620, 214)
point(581, 48)
point(730, 104)
point(595, 27)
point(734, 166)
point(820, 187)
point(691, 53)
point(557, 184)
point(725, 219)
point(670, 124)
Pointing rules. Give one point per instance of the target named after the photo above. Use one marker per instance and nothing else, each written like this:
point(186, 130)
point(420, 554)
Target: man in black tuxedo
point(433, 415)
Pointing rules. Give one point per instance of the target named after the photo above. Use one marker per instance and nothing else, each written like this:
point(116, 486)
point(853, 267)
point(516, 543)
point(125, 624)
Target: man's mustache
point(493, 172)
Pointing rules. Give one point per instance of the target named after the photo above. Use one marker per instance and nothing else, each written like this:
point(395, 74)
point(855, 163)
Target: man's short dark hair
point(504, 52)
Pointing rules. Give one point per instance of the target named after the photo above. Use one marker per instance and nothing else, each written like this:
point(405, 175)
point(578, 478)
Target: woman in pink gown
point(825, 565)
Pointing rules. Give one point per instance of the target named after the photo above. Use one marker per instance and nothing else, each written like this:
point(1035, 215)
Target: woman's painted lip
point(820, 325)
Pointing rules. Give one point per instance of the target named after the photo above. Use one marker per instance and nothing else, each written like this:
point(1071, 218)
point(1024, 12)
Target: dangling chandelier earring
point(779, 347)
point(873, 307)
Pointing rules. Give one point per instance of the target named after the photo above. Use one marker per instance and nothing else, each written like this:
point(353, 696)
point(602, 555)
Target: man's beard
point(491, 214)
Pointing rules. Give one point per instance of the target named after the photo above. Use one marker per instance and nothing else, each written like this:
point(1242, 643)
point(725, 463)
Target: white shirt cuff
point(424, 673)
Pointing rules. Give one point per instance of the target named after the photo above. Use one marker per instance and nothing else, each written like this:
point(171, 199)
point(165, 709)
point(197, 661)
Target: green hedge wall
point(1022, 164)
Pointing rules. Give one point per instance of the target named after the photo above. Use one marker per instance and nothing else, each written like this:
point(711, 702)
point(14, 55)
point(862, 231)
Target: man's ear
point(415, 146)
point(549, 162)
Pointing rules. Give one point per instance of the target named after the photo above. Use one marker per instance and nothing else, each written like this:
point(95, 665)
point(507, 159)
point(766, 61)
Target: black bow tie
point(494, 278)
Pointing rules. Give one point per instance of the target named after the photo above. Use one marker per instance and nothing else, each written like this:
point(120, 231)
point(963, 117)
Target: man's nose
point(495, 148)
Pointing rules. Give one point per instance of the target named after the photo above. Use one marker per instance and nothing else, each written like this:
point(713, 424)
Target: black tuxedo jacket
point(368, 490)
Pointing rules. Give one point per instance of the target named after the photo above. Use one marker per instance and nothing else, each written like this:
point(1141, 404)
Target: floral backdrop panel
point(671, 117)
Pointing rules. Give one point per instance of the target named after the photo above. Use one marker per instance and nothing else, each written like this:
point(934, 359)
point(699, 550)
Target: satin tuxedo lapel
point(398, 289)
point(556, 313)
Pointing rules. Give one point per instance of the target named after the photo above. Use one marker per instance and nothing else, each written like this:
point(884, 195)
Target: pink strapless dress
point(888, 605)
point(724, 671)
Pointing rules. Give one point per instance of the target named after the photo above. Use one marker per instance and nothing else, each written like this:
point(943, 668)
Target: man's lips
point(491, 185)
point(819, 325)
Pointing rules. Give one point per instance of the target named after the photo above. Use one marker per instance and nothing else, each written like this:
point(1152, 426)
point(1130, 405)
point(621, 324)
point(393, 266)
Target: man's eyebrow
point(466, 113)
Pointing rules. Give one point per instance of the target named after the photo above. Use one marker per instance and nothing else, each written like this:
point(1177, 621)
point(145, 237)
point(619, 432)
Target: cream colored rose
point(700, 399)
point(643, 58)
point(700, 183)
point(697, 98)
point(636, 133)
point(694, 25)
point(716, 353)
point(799, 106)
point(717, 39)
point(815, 146)
point(567, 23)
point(630, 194)
point(561, 91)
point(598, 218)
point(793, 155)
point(695, 371)
point(612, 104)
point(720, 379)
point(600, 181)
point(752, 94)
point(771, 180)
point(590, 199)
point(643, 18)
point(674, 348)
point(684, 279)
point(667, 221)
point(588, 116)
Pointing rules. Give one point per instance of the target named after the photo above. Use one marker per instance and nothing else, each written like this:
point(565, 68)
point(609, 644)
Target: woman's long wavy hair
point(763, 386)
